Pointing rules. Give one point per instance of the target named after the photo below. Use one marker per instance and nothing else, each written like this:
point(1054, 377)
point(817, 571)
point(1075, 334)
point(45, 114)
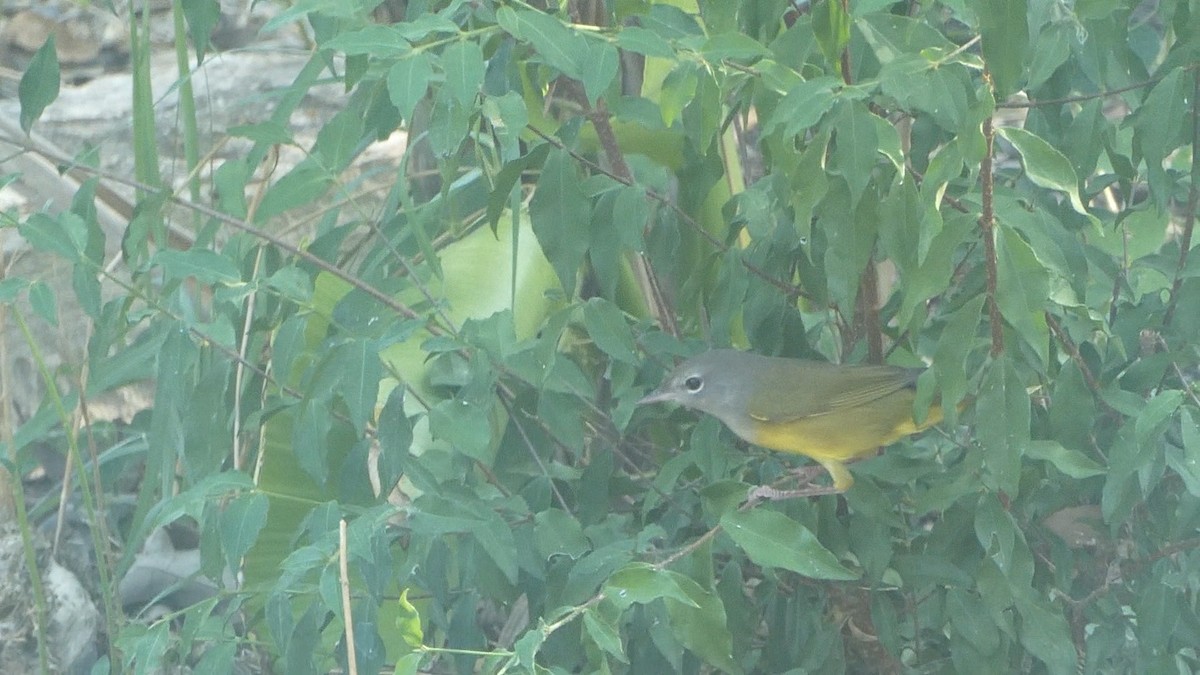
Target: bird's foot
point(766, 493)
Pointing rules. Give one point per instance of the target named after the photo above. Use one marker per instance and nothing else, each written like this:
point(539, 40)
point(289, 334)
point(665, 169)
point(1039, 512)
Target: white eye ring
point(693, 384)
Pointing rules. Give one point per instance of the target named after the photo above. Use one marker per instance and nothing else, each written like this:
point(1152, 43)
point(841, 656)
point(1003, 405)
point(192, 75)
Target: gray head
point(715, 382)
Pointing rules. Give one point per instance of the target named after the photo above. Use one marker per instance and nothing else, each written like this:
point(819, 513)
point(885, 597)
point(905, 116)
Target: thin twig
point(790, 289)
point(1081, 97)
point(512, 415)
point(987, 227)
point(1073, 352)
point(655, 298)
point(246, 227)
point(347, 615)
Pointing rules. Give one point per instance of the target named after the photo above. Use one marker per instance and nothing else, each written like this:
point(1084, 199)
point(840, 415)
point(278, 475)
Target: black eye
point(694, 384)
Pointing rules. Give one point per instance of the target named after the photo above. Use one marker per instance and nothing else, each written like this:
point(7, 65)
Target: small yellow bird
point(831, 413)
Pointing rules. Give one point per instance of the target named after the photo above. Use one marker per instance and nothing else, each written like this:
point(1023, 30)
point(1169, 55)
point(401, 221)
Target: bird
point(830, 413)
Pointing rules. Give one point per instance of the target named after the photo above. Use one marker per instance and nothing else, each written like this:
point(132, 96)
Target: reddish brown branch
point(868, 284)
point(1073, 351)
point(987, 226)
point(655, 299)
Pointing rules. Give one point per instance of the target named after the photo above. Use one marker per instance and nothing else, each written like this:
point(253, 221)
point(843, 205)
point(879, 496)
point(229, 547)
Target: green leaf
point(266, 133)
point(39, 84)
point(205, 266)
point(293, 284)
point(408, 623)
point(310, 430)
point(802, 107)
point(968, 617)
point(1186, 462)
point(407, 81)
point(10, 288)
point(395, 434)
point(1047, 636)
point(426, 24)
point(677, 92)
point(894, 36)
point(831, 25)
point(52, 235)
point(462, 64)
point(560, 212)
point(772, 539)
point(410, 664)
point(339, 139)
point(526, 648)
point(1022, 290)
point(599, 70)
point(996, 531)
point(360, 369)
point(219, 657)
point(1004, 27)
point(373, 39)
point(1162, 122)
point(496, 538)
point(608, 328)
point(506, 179)
point(1071, 462)
point(604, 633)
point(645, 42)
point(700, 625)
point(558, 533)
point(943, 93)
point(855, 146)
point(1157, 608)
point(44, 302)
point(191, 502)
point(1044, 164)
point(1003, 431)
point(466, 425)
point(559, 46)
point(642, 583)
point(1053, 47)
point(733, 46)
point(240, 523)
point(304, 184)
point(1149, 421)
point(202, 17)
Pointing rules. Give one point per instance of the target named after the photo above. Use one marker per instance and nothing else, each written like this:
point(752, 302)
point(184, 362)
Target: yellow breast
point(843, 435)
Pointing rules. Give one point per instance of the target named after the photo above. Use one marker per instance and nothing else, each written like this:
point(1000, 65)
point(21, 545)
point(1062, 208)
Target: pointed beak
point(656, 396)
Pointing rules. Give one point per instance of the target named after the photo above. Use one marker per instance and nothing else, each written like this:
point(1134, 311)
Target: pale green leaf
point(772, 539)
point(462, 64)
point(407, 81)
point(39, 83)
point(1044, 164)
point(1022, 287)
point(207, 267)
point(1004, 27)
point(241, 521)
point(1071, 462)
point(642, 583)
point(559, 46)
point(608, 328)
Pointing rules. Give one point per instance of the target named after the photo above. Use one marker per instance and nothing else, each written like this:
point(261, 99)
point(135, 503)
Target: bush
point(415, 430)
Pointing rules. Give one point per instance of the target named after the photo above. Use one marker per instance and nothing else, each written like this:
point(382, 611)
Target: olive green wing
point(818, 388)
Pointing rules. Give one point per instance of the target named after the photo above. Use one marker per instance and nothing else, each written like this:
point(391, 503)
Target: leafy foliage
point(1005, 191)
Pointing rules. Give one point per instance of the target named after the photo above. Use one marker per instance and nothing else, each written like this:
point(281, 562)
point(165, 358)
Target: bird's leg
point(842, 480)
point(804, 475)
point(766, 493)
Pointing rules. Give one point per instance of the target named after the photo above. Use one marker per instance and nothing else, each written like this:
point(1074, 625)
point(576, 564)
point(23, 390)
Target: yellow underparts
point(833, 439)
